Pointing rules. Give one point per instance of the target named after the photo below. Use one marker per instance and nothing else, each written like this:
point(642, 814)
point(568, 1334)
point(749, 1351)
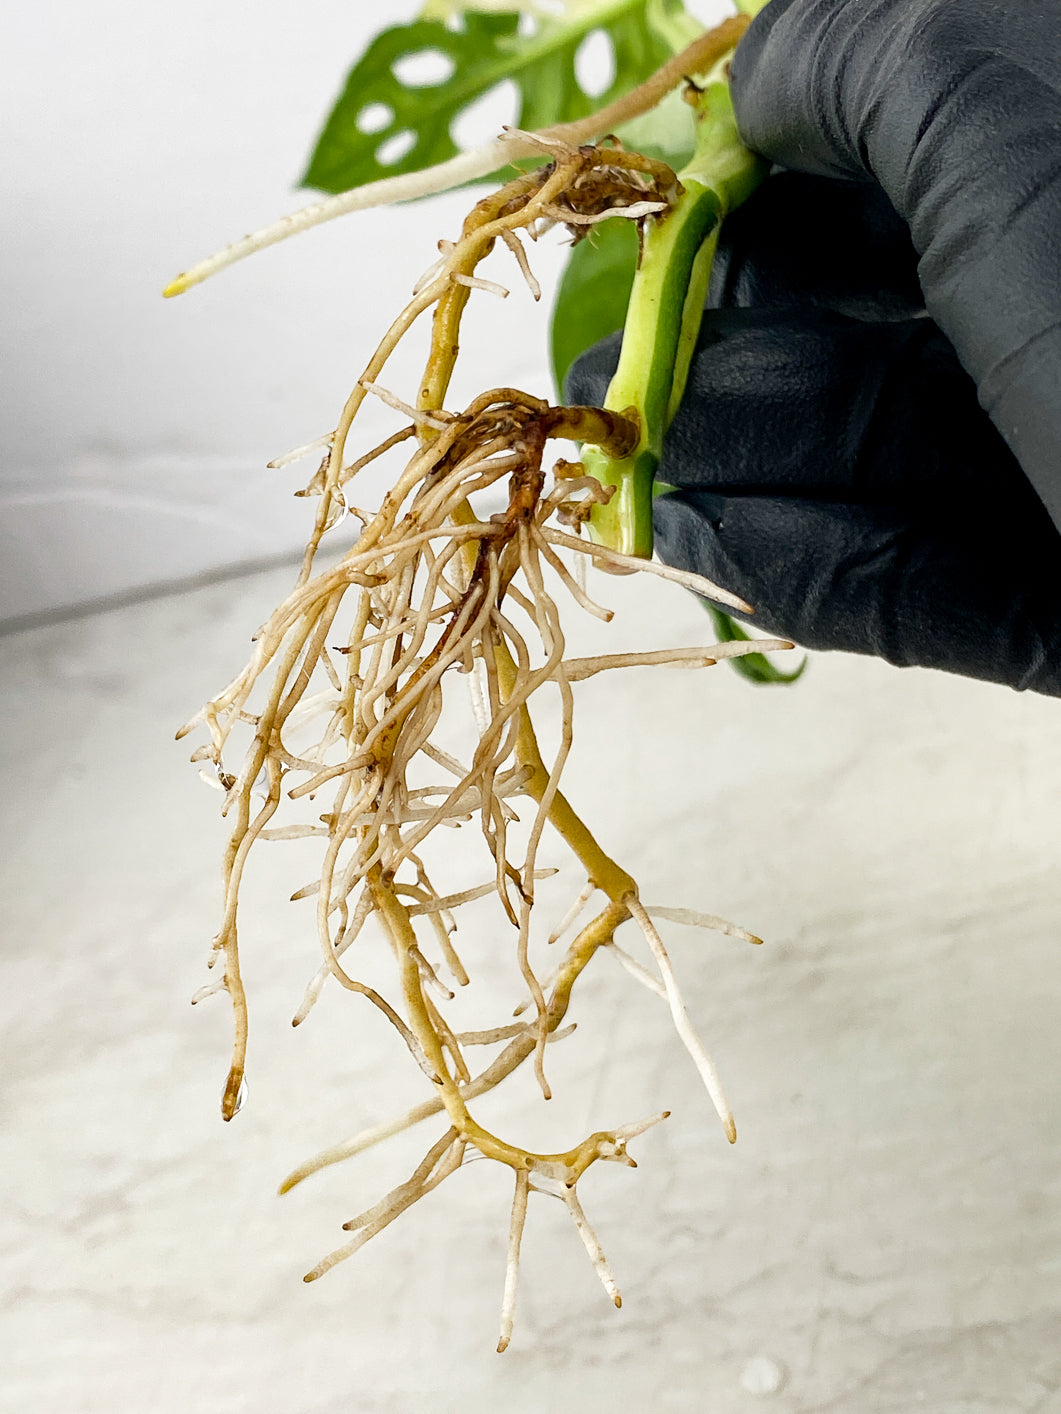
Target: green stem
point(663, 318)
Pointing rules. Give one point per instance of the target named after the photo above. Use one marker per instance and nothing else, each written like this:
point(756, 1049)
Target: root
point(368, 653)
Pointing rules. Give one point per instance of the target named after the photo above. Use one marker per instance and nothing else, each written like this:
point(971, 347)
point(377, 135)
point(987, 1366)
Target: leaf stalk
point(664, 314)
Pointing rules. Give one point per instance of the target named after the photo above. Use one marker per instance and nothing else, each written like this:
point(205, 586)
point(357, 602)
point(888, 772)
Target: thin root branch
point(515, 1237)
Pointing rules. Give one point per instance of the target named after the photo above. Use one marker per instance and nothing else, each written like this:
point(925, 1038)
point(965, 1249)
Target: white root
point(637, 972)
point(633, 211)
point(477, 696)
point(508, 1033)
point(449, 1150)
point(585, 894)
point(361, 912)
point(294, 832)
point(594, 1250)
point(444, 904)
point(415, 415)
point(515, 1237)
point(473, 282)
point(684, 1027)
point(574, 588)
point(578, 669)
point(603, 555)
point(516, 246)
point(210, 989)
point(695, 919)
point(288, 458)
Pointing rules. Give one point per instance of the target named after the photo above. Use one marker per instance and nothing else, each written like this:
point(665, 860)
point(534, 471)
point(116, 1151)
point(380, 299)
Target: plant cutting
point(339, 721)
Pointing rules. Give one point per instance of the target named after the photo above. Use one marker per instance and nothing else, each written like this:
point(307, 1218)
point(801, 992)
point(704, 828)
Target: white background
point(135, 431)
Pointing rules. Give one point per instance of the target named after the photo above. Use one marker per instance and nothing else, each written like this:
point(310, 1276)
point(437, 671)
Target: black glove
point(834, 461)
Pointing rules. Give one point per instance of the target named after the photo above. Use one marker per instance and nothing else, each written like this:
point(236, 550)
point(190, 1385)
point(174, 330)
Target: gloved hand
point(870, 477)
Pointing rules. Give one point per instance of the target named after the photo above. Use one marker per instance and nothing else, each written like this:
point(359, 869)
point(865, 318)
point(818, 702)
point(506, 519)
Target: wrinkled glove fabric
point(869, 447)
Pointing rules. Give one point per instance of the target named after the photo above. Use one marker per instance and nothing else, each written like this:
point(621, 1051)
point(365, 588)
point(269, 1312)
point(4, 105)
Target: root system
point(374, 651)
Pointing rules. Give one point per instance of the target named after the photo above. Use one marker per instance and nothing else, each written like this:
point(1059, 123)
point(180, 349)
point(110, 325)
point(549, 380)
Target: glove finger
point(866, 580)
point(815, 241)
point(815, 404)
point(818, 405)
point(798, 242)
point(954, 106)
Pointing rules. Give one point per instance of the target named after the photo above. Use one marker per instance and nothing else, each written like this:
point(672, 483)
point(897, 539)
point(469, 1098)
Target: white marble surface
point(885, 1235)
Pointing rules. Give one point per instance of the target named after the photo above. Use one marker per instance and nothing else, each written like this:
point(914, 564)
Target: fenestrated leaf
point(486, 50)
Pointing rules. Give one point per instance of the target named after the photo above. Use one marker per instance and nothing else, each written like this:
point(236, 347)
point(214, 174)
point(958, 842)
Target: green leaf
point(593, 294)
point(756, 667)
point(485, 50)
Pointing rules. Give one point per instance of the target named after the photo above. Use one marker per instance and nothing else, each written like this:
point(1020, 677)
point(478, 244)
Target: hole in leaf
point(395, 148)
point(426, 69)
point(528, 26)
point(595, 63)
point(374, 117)
point(483, 120)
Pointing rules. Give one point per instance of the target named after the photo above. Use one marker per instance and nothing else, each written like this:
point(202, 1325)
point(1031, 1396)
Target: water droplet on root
point(241, 1098)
